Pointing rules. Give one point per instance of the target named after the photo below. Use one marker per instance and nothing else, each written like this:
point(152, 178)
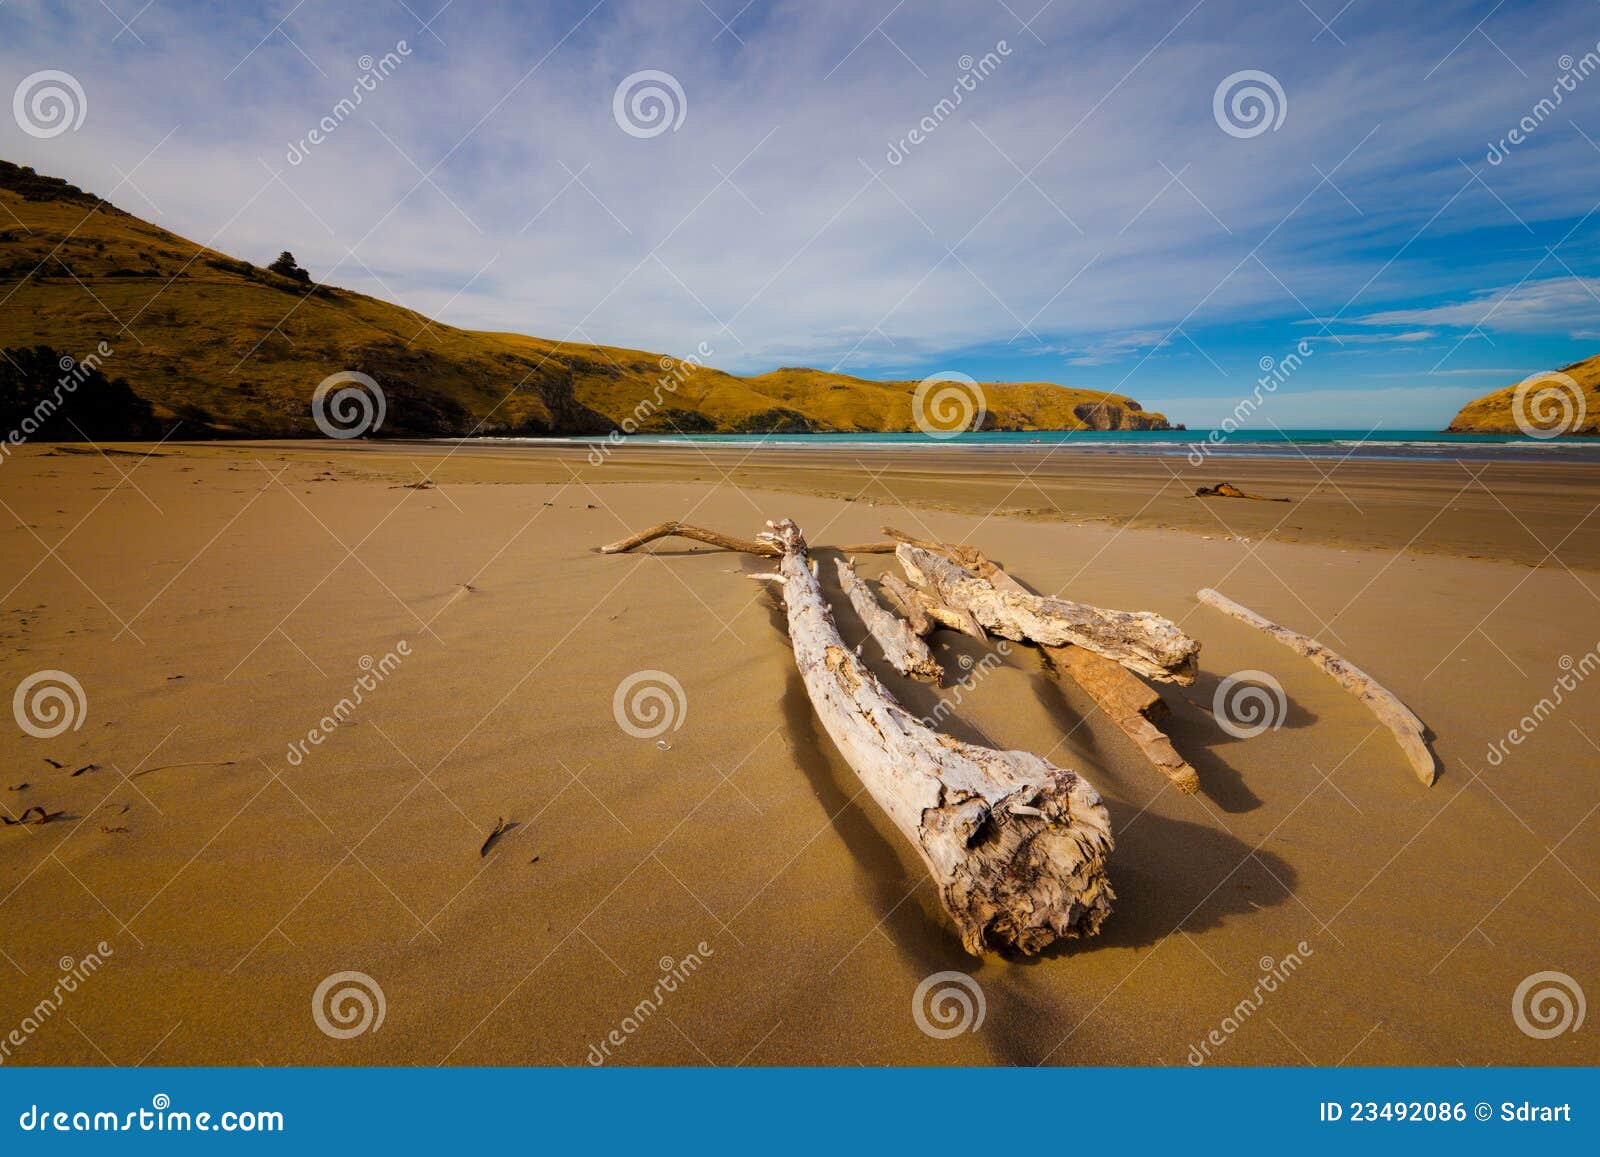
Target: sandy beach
point(216, 601)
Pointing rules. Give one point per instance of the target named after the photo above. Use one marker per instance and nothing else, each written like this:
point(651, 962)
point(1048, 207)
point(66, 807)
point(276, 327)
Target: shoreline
point(1537, 514)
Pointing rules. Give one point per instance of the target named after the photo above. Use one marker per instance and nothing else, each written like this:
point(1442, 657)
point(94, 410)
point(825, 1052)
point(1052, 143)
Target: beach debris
point(84, 768)
point(901, 646)
point(23, 786)
point(53, 763)
point(924, 612)
point(1133, 705)
point(904, 600)
point(500, 829)
point(697, 533)
point(1016, 845)
point(1229, 490)
point(190, 763)
point(44, 817)
point(663, 745)
point(1409, 731)
point(1143, 642)
point(725, 541)
point(118, 830)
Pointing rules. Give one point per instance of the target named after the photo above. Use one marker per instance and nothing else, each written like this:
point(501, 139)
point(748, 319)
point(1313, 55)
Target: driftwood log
point(903, 648)
point(1016, 845)
point(1409, 731)
point(1143, 642)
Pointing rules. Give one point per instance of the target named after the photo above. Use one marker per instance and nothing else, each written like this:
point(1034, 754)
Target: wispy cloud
point(1559, 304)
point(1080, 209)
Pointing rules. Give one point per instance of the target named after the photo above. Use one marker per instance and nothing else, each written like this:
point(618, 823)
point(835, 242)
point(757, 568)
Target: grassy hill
point(234, 349)
point(1495, 414)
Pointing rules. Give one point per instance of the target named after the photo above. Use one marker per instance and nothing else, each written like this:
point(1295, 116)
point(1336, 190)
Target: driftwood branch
point(1143, 642)
point(698, 533)
point(1125, 699)
point(1129, 703)
point(1016, 845)
point(905, 600)
point(905, 650)
point(725, 541)
point(1409, 731)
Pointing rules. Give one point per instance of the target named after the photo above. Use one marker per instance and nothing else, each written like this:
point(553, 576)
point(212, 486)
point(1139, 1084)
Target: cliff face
point(234, 349)
point(1564, 401)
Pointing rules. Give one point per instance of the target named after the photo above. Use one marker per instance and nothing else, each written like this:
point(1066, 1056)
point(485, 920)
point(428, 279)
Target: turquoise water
point(1191, 444)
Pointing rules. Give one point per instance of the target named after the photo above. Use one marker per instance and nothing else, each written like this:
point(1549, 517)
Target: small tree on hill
point(285, 266)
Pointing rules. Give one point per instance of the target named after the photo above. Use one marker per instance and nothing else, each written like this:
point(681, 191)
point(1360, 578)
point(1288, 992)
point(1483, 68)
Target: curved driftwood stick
point(1016, 845)
point(1409, 731)
point(1143, 642)
point(698, 533)
point(905, 651)
point(725, 541)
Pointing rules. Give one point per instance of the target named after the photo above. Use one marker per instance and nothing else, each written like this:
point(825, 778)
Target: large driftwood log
point(1016, 845)
point(1143, 642)
point(1409, 731)
point(905, 651)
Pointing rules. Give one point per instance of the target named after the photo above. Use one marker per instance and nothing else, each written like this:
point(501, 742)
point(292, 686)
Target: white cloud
point(1558, 304)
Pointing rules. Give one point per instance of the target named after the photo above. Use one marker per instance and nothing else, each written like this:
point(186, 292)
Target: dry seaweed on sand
point(44, 817)
point(501, 827)
point(1229, 490)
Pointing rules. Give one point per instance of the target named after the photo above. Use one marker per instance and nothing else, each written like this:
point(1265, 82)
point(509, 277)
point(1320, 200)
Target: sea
point(1424, 445)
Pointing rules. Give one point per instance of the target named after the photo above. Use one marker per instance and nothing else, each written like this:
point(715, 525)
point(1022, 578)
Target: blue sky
point(1084, 215)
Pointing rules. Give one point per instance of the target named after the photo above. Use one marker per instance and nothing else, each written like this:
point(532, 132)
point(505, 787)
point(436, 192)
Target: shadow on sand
point(1170, 875)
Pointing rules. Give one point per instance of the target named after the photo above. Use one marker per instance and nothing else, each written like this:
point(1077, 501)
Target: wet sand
point(216, 602)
